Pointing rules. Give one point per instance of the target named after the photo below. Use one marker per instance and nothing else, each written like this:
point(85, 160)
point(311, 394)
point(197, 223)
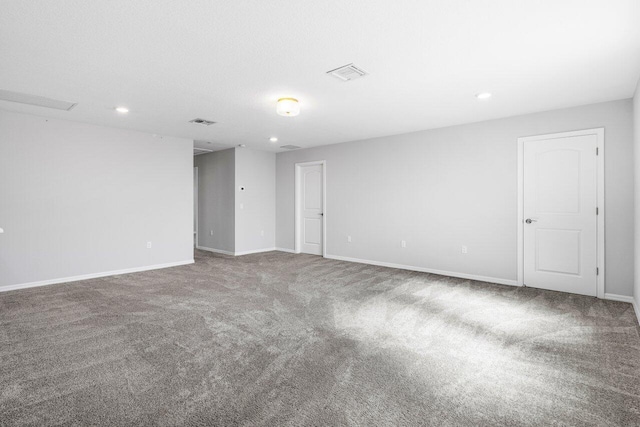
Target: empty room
point(319, 213)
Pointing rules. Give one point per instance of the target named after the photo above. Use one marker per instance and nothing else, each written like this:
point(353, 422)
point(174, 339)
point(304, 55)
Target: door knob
point(529, 220)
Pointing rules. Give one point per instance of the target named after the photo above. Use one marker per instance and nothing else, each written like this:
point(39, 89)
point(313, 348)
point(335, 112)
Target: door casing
point(196, 207)
point(600, 223)
point(298, 210)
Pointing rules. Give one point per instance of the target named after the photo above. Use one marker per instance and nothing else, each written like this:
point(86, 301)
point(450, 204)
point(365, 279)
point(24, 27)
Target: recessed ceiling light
point(122, 109)
point(483, 95)
point(288, 107)
point(273, 139)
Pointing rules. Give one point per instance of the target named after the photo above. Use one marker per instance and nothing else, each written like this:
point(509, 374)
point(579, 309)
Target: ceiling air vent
point(197, 151)
point(202, 122)
point(40, 101)
point(347, 72)
point(290, 147)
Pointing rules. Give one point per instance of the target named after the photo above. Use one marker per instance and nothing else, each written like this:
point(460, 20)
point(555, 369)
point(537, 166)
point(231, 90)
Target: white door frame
point(298, 198)
point(196, 206)
point(600, 224)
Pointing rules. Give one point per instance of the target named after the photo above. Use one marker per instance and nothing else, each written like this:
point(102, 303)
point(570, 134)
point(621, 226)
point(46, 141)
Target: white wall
point(242, 221)
point(636, 139)
point(216, 216)
point(444, 188)
point(78, 199)
point(255, 216)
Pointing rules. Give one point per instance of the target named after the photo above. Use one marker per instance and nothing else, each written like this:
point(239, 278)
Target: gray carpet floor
point(277, 339)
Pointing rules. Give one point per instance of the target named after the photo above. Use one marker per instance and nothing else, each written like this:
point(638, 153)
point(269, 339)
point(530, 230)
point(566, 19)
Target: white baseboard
point(255, 251)
point(624, 298)
point(427, 270)
point(217, 251)
point(291, 251)
point(621, 298)
point(92, 276)
point(220, 251)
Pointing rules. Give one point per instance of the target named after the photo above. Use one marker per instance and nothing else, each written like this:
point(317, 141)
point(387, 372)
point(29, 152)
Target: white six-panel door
point(311, 209)
point(559, 208)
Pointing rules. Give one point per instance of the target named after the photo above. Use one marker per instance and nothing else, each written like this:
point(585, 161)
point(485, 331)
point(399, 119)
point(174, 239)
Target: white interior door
point(560, 200)
point(311, 209)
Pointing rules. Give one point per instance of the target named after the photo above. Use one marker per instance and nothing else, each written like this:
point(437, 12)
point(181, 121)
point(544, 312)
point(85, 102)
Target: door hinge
point(597, 271)
point(597, 211)
point(597, 151)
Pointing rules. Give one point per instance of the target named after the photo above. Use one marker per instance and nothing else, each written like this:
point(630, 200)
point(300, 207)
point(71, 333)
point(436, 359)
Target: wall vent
point(347, 72)
point(40, 101)
point(197, 151)
point(290, 147)
point(202, 122)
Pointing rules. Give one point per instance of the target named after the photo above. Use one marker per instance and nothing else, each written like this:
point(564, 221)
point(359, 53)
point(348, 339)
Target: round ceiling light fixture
point(483, 95)
point(122, 110)
point(288, 107)
point(273, 139)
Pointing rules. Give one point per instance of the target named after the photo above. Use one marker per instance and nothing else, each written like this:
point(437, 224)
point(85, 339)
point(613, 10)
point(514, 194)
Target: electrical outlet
point(148, 245)
point(241, 205)
point(403, 243)
point(262, 233)
point(464, 249)
point(348, 239)
point(210, 232)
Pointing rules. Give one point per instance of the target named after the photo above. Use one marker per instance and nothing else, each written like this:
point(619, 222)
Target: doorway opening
point(311, 208)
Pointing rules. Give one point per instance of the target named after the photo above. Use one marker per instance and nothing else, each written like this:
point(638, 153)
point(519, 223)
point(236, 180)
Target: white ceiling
point(229, 61)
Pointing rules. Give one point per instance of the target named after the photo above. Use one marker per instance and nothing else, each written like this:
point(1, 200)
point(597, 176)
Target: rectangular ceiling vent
point(197, 151)
point(40, 101)
point(290, 147)
point(348, 72)
point(202, 122)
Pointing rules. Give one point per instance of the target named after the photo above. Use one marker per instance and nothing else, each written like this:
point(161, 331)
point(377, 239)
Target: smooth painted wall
point(443, 188)
point(216, 202)
point(255, 206)
point(78, 199)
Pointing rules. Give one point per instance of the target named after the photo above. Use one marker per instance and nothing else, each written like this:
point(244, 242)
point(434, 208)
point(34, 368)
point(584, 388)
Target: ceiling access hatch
point(40, 101)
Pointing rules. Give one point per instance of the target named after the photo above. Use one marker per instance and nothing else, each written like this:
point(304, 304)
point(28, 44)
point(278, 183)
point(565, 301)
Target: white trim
point(621, 298)
point(296, 199)
point(196, 195)
point(255, 251)
point(426, 270)
point(93, 276)
point(600, 261)
point(625, 298)
point(218, 251)
point(291, 251)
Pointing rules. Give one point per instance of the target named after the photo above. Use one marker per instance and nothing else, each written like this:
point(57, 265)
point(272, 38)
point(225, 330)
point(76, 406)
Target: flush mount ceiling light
point(122, 110)
point(273, 139)
point(288, 107)
point(483, 95)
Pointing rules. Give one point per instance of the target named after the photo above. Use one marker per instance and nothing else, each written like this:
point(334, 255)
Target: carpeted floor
point(278, 339)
